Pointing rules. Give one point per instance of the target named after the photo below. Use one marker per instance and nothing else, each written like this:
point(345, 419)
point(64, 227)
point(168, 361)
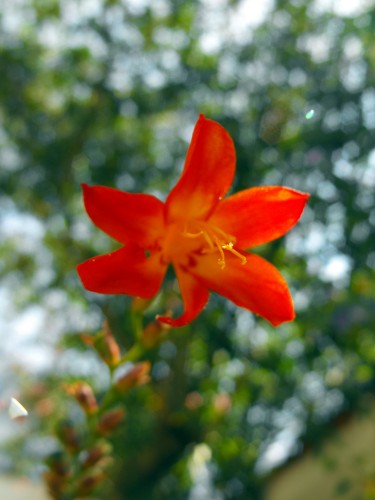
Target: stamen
point(192, 235)
point(226, 236)
point(230, 248)
point(216, 238)
point(221, 261)
point(208, 237)
point(196, 235)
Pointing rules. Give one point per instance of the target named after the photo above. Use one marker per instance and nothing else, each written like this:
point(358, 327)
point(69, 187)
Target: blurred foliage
point(107, 92)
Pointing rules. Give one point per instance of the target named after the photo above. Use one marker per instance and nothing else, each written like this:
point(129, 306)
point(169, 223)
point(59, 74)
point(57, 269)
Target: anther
point(216, 238)
point(221, 261)
point(230, 248)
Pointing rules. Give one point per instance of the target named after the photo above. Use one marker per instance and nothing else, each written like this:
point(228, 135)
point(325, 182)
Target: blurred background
point(107, 92)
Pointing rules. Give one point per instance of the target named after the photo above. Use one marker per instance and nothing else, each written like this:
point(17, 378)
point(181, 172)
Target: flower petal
point(194, 295)
point(257, 286)
point(126, 271)
point(16, 410)
point(207, 175)
point(261, 214)
point(126, 217)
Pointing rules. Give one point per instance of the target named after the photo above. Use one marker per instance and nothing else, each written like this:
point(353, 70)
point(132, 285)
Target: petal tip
point(172, 322)
point(305, 196)
point(301, 194)
point(166, 320)
point(289, 316)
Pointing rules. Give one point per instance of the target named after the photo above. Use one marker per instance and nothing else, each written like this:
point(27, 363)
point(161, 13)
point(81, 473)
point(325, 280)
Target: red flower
point(201, 234)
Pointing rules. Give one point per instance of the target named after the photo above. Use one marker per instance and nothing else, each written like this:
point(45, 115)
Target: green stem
point(137, 324)
point(109, 400)
point(134, 354)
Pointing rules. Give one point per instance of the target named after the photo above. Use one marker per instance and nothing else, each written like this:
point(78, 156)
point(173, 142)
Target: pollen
point(232, 250)
point(216, 240)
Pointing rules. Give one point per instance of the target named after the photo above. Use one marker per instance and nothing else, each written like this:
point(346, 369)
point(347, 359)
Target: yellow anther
point(230, 248)
point(221, 261)
point(216, 238)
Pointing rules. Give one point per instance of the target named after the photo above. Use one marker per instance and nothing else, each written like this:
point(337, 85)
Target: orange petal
point(126, 271)
point(125, 217)
point(257, 285)
point(207, 175)
point(194, 295)
point(258, 215)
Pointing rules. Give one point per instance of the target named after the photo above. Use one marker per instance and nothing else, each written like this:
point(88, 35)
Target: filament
point(217, 239)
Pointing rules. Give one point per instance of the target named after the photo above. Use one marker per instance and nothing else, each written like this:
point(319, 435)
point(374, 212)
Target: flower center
point(216, 239)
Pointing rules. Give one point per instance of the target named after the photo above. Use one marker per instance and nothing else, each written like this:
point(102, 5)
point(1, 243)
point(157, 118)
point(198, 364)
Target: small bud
point(105, 345)
point(96, 453)
point(110, 421)
point(57, 464)
point(68, 436)
point(153, 334)
point(55, 484)
point(137, 375)
point(90, 481)
point(83, 393)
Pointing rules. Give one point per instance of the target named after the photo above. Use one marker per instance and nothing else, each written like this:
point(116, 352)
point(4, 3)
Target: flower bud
point(137, 375)
point(90, 481)
point(57, 464)
point(55, 484)
point(153, 334)
point(96, 453)
point(68, 435)
point(84, 394)
point(105, 345)
point(110, 421)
